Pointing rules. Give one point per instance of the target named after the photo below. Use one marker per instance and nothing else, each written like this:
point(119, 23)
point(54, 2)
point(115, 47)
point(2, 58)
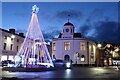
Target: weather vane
point(35, 9)
point(68, 17)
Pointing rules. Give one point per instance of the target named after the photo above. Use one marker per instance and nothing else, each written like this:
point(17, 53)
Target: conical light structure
point(33, 50)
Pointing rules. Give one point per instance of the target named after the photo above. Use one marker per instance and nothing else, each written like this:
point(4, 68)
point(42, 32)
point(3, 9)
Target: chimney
point(12, 31)
point(21, 34)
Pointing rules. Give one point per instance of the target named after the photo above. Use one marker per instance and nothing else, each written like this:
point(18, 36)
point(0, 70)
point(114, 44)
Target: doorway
point(67, 58)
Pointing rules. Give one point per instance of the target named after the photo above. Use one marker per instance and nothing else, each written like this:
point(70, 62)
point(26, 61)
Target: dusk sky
point(95, 20)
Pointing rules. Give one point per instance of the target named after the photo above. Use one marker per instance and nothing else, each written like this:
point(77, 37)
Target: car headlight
point(68, 64)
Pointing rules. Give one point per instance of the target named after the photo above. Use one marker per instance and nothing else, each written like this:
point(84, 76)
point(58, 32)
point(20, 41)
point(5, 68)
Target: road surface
point(76, 72)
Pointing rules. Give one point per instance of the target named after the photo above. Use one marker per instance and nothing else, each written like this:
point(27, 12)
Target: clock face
point(67, 30)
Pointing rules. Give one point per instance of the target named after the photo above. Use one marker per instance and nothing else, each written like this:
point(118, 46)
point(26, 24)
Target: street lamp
point(108, 45)
point(99, 54)
point(99, 45)
point(116, 50)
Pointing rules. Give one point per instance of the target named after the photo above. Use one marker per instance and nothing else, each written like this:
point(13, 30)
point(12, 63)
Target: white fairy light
point(35, 9)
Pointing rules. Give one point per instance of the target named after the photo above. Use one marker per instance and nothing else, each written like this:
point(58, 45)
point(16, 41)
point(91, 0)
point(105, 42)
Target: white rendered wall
point(74, 48)
point(8, 41)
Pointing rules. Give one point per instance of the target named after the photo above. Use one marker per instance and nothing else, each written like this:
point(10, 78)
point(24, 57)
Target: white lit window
point(110, 61)
point(13, 36)
point(82, 46)
point(8, 40)
point(54, 46)
point(11, 58)
point(82, 59)
point(67, 45)
point(4, 57)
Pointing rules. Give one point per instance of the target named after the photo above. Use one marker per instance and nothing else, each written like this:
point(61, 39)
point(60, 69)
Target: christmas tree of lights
point(33, 50)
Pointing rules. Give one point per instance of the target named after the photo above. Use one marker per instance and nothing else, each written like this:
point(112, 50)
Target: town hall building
point(72, 46)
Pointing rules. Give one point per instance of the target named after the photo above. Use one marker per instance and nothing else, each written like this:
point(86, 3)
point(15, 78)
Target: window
point(11, 39)
point(82, 46)
point(17, 40)
point(54, 46)
point(11, 47)
point(82, 59)
point(17, 48)
point(4, 57)
point(5, 37)
point(71, 30)
point(92, 58)
point(67, 45)
point(11, 58)
point(4, 47)
point(91, 48)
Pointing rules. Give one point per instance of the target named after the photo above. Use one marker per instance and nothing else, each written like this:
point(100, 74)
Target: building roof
point(12, 33)
point(60, 35)
point(76, 35)
point(68, 24)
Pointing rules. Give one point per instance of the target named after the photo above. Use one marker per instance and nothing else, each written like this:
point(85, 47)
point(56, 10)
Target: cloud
point(77, 15)
point(108, 31)
point(61, 16)
point(96, 14)
point(50, 34)
point(84, 29)
point(102, 31)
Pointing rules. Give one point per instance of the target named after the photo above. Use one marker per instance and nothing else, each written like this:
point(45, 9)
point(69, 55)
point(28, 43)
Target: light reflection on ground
point(26, 74)
point(79, 72)
point(67, 73)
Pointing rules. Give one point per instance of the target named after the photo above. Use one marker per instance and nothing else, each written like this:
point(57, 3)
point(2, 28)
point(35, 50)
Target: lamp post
point(98, 54)
point(108, 45)
point(99, 45)
point(102, 55)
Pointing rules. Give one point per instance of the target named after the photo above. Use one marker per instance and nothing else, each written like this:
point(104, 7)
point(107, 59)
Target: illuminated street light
point(99, 45)
point(117, 49)
point(108, 45)
point(12, 36)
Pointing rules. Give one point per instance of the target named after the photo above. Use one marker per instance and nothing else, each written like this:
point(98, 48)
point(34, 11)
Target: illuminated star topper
point(35, 9)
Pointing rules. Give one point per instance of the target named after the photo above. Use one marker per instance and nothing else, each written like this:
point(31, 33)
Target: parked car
point(62, 64)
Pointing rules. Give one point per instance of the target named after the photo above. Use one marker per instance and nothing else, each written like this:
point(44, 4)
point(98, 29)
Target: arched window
point(54, 46)
point(82, 59)
point(66, 57)
point(82, 46)
point(66, 46)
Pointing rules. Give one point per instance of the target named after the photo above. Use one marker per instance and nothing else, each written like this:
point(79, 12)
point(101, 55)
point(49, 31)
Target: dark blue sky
point(92, 19)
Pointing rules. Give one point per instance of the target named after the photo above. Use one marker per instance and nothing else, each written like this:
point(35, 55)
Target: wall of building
point(75, 49)
point(6, 37)
point(8, 40)
point(0, 45)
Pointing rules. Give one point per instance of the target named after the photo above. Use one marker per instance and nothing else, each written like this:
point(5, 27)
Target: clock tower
point(68, 30)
